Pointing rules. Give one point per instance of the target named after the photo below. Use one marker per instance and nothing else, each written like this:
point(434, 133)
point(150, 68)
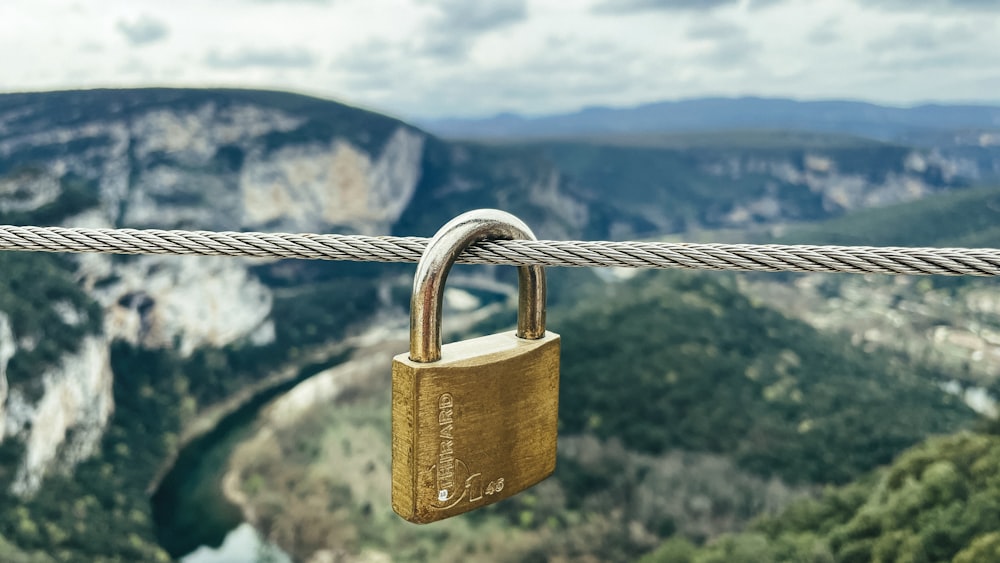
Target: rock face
point(649, 187)
point(77, 396)
point(207, 161)
point(184, 302)
point(28, 191)
point(339, 184)
point(177, 159)
point(820, 176)
point(244, 160)
point(7, 350)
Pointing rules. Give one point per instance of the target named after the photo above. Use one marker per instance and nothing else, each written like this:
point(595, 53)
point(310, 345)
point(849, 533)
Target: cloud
point(464, 16)
point(257, 57)
point(588, 70)
point(754, 4)
point(714, 29)
point(934, 5)
point(827, 33)
point(723, 44)
point(729, 53)
point(453, 30)
point(370, 57)
point(922, 37)
point(143, 31)
point(931, 45)
point(633, 6)
point(629, 6)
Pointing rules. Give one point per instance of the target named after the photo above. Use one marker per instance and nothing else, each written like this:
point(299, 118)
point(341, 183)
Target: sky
point(436, 58)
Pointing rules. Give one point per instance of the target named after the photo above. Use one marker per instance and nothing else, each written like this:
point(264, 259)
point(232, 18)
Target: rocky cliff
point(653, 185)
point(65, 425)
point(222, 160)
point(7, 349)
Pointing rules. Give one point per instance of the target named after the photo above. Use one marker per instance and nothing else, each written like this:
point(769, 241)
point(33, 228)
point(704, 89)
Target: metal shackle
point(435, 263)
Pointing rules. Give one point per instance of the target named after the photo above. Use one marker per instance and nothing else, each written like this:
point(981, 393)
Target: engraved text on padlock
point(473, 422)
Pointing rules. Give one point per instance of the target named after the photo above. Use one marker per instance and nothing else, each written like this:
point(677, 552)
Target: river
point(241, 545)
point(189, 510)
point(194, 520)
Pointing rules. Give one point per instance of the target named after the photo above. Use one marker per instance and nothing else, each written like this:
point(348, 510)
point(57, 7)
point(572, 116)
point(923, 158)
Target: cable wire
point(741, 257)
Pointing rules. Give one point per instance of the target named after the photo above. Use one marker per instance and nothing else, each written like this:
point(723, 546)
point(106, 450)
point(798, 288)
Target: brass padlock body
point(475, 427)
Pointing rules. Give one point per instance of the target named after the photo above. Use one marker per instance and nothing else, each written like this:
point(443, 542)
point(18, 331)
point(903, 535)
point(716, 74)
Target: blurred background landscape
point(205, 409)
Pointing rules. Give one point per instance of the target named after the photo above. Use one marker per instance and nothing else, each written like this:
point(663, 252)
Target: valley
point(619, 487)
point(221, 390)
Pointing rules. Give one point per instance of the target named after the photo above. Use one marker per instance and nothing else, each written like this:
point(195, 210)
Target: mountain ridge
point(712, 113)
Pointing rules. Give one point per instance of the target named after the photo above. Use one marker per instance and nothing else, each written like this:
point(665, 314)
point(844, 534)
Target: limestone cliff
point(7, 349)
point(314, 186)
point(65, 425)
point(202, 159)
point(914, 175)
point(182, 303)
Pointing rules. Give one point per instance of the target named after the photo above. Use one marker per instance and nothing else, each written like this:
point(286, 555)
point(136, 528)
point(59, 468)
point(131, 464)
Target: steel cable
point(742, 257)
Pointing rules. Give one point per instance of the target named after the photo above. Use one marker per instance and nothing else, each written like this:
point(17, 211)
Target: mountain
point(948, 321)
point(677, 183)
point(707, 114)
point(240, 159)
point(118, 373)
point(109, 365)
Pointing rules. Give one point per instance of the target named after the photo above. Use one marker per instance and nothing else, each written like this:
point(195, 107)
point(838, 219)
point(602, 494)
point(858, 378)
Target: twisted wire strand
point(742, 257)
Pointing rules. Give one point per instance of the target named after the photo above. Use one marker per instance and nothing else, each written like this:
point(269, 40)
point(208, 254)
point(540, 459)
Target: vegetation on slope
point(322, 119)
point(36, 293)
point(101, 512)
point(683, 408)
point(155, 393)
point(675, 186)
point(964, 218)
point(940, 501)
point(75, 196)
point(73, 514)
point(11, 554)
point(707, 370)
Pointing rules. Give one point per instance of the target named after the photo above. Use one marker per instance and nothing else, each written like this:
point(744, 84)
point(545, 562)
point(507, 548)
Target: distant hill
point(967, 218)
point(656, 183)
point(707, 114)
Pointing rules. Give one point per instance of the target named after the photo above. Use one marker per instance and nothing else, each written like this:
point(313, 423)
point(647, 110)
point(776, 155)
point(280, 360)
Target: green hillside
point(940, 501)
point(32, 284)
point(157, 393)
point(708, 370)
point(673, 183)
point(11, 554)
point(662, 370)
point(964, 218)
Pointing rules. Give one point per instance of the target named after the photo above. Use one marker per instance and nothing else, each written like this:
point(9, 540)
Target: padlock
point(473, 422)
